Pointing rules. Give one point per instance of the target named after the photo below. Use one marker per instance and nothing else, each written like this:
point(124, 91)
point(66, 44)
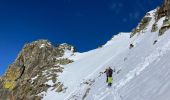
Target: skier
point(109, 78)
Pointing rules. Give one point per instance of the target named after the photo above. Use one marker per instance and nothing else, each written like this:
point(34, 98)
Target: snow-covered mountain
point(140, 59)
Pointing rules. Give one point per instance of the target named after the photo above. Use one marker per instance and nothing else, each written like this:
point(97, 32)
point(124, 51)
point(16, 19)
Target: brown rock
point(33, 68)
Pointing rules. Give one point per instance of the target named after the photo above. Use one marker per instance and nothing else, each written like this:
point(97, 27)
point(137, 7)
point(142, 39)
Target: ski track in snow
point(74, 95)
point(132, 74)
point(101, 95)
point(90, 87)
point(106, 93)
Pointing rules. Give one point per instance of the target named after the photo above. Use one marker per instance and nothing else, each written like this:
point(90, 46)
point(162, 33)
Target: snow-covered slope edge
point(88, 67)
point(142, 71)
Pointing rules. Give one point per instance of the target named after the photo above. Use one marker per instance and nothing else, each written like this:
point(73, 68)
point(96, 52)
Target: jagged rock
point(4, 94)
point(54, 80)
point(59, 87)
point(154, 28)
point(64, 61)
point(34, 67)
point(164, 10)
point(165, 27)
point(142, 25)
point(66, 46)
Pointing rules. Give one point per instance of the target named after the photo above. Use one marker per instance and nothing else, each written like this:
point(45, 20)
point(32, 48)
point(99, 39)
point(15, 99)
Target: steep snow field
point(142, 72)
point(88, 66)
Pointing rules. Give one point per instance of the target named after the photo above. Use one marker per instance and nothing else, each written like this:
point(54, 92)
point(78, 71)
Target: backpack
point(110, 72)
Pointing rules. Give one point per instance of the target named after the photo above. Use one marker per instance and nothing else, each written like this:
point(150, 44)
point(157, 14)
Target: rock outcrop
point(142, 25)
point(162, 11)
point(36, 65)
point(165, 26)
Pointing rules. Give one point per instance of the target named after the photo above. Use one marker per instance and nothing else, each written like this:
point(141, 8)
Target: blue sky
point(86, 24)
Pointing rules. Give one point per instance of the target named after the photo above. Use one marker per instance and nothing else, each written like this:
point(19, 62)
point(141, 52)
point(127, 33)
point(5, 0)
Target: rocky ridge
point(37, 64)
point(40, 63)
point(161, 12)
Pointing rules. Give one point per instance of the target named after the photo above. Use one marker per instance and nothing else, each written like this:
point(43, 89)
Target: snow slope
point(142, 72)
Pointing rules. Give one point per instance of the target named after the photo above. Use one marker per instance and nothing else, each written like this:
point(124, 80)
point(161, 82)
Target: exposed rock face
point(142, 25)
point(35, 65)
point(66, 46)
point(154, 28)
point(165, 27)
point(164, 9)
point(167, 6)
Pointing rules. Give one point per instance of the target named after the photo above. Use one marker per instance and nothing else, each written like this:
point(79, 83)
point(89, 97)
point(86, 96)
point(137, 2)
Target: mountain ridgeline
point(36, 64)
point(162, 11)
point(38, 67)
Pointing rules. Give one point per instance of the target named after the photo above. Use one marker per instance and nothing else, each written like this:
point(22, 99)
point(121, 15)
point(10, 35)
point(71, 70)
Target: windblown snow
point(142, 72)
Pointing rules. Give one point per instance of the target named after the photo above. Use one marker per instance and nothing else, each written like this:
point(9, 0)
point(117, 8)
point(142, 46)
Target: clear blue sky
point(86, 24)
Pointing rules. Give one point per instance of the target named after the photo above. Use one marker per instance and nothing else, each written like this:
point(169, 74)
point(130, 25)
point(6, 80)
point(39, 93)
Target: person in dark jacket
point(109, 73)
